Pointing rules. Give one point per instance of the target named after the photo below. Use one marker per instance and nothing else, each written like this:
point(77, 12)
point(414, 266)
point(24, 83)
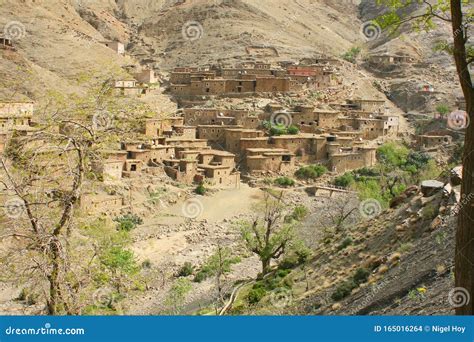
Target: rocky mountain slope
point(58, 41)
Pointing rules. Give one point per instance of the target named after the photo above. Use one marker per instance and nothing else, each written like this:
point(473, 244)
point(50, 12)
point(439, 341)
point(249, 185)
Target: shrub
point(200, 190)
point(204, 273)
point(284, 181)
point(128, 222)
point(345, 180)
point(298, 214)
point(186, 270)
point(442, 109)
point(361, 276)
point(311, 172)
point(346, 243)
point(293, 130)
point(256, 294)
point(343, 290)
point(352, 54)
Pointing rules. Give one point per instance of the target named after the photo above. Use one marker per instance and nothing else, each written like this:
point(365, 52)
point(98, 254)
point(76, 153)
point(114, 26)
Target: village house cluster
point(215, 146)
point(250, 78)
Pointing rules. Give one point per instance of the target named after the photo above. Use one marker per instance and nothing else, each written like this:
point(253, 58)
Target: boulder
point(430, 187)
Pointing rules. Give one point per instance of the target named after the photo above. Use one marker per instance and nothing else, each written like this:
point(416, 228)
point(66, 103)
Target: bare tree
point(43, 174)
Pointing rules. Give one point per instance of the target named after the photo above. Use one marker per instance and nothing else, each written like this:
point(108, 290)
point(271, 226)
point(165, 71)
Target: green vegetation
point(311, 172)
point(298, 214)
point(262, 287)
point(397, 168)
point(177, 295)
point(280, 129)
point(345, 289)
point(186, 270)
point(219, 263)
point(128, 222)
point(352, 54)
point(269, 236)
point(345, 243)
point(284, 181)
point(200, 189)
point(442, 109)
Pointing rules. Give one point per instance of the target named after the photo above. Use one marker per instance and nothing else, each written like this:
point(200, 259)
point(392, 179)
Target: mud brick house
point(15, 117)
point(224, 117)
point(94, 204)
point(162, 126)
point(215, 133)
point(146, 77)
point(260, 160)
point(129, 88)
point(235, 138)
point(118, 47)
point(368, 105)
point(433, 140)
point(353, 158)
point(388, 59)
point(110, 167)
point(6, 44)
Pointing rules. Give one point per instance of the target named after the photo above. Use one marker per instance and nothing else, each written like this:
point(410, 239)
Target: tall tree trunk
point(464, 257)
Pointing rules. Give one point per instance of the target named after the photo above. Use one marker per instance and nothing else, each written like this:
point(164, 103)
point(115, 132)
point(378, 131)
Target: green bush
point(186, 270)
point(345, 180)
point(298, 214)
point(284, 181)
point(361, 276)
point(204, 273)
point(346, 243)
point(351, 55)
point(128, 222)
point(293, 130)
point(255, 295)
point(311, 172)
point(200, 190)
point(442, 109)
point(343, 290)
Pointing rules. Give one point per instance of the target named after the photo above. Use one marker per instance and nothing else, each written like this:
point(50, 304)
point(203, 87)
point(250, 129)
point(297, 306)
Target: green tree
point(269, 236)
point(177, 295)
point(442, 109)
